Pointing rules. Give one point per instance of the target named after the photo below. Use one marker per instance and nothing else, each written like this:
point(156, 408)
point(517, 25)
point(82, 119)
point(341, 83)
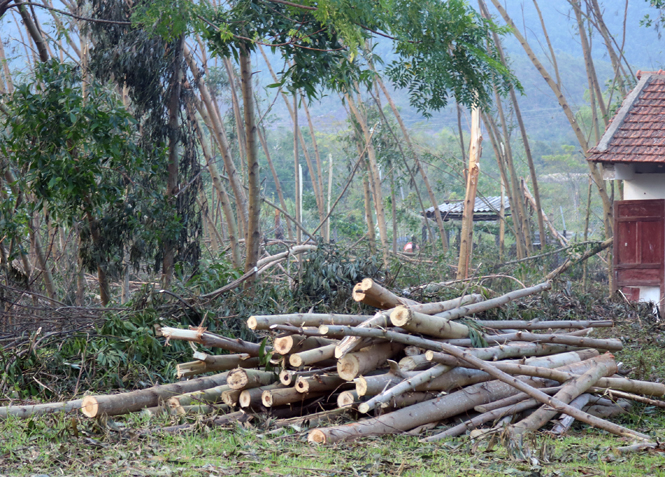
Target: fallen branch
point(586, 255)
point(211, 340)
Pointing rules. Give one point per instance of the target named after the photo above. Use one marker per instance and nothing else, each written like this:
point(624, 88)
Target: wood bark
point(371, 293)
point(416, 415)
point(264, 322)
point(296, 343)
point(473, 173)
point(423, 173)
point(563, 102)
point(573, 388)
point(205, 396)
point(223, 197)
point(206, 363)
point(33, 410)
point(211, 340)
point(354, 364)
point(216, 127)
point(421, 323)
point(280, 397)
point(253, 232)
point(320, 383)
point(114, 404)
point(241, 378)
point(305, 358)
point(172, 185)
point(253, 397)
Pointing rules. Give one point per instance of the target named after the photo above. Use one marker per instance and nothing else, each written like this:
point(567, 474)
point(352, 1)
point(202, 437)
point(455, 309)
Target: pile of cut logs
point(407, 368)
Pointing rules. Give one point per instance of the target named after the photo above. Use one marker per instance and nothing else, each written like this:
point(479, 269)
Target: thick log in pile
point(409, 366)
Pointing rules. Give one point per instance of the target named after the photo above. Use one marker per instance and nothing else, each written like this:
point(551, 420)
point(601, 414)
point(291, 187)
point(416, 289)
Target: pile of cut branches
point(409, 367)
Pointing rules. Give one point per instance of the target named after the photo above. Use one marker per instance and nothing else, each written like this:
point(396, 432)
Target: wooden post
point(502, 222)
point(466, 242)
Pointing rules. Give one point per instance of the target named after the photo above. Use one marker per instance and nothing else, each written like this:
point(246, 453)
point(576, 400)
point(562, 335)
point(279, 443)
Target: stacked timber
point(407, 366)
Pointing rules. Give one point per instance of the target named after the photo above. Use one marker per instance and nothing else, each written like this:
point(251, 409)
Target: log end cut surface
point(317, 436)
point(252, 323)
point(90, 406)
point(348, 368)
point(400, 316)
point(237, 379)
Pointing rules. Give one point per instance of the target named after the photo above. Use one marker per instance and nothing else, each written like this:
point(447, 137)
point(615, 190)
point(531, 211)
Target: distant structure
point(633, 150)
point(485, 209)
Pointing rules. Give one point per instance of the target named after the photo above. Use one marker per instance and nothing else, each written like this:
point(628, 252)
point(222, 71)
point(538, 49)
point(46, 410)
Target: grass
point(62, 445)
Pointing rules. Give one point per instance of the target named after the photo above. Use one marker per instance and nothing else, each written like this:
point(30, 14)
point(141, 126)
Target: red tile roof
point(637, 131)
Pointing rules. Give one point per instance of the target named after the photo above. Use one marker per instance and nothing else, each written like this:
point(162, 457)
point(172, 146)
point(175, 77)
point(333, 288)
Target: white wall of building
point(644, 187)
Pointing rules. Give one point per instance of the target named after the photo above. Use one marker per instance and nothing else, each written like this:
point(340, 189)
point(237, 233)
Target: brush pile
point(407, 368)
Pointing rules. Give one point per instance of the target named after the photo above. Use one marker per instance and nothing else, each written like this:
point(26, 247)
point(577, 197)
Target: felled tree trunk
point(114, 404)
point(264, 322)
point(297, 343)
point(211, 340)
point(353, 365)
point(312, 356)
point(40, 409)
point(241, 378)
point(206, 363)
point(371, 293)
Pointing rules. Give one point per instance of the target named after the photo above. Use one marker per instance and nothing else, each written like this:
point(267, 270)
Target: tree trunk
point(563, 102)
point(253, 236)
point(174, 138)
point(216, 127)
point(219, 188)
point(318, 172)
point(371, 234)
point(114, 404)
point(407, 138)
point(374, 177)
point(466, 242)
point(34, 31)
point(240, 128)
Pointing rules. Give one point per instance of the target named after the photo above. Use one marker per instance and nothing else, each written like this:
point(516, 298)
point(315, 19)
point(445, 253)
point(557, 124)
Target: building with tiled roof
point(633, 150)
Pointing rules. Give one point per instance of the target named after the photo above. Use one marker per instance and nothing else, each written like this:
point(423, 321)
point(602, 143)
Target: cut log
point(509, 401)
point(312, 356)
point(613, 393)
point(319, 383)
point(415, 363)
point(418, 414)
point(507, 337)
point(477, 421)
point(296, 343)
point(40, 409)
point(493, 303)
point(610, 344)
point(514, 350)
point(606, 366)
point(204, 396)
point(413, 351)
point(421, 323)
point(543, 325)
point(557, 404)
point(373, 385)
point(206, 363)
point(252, 397)
point(443, 378)
point(549, 361)
point(242, 378)
point(351, 343)
point(211, 340)
point(407, 399)
point(371, 293)
point(231, 397)
point(563, 425)
point(280, 397)
point(114, 404)
point(263, 322)
point(353, 365)
point(347, 398)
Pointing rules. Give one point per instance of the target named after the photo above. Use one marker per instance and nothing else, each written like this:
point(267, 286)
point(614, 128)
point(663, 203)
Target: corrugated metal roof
point(485, 208)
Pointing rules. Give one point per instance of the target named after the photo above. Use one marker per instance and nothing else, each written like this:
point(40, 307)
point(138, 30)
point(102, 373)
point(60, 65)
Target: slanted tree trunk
point(374, 176)
point(371, 234)
point(216, 127)
point(219, 188)
point(240, 129)
point(253, 236)
point(407, 138)
point(563, 102)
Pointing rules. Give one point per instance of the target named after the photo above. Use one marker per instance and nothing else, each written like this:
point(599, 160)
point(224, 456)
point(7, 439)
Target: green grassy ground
point(58, 445)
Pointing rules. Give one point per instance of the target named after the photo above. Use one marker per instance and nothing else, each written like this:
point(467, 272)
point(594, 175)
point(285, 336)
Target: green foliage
point(74, 152)
point(329, 274)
